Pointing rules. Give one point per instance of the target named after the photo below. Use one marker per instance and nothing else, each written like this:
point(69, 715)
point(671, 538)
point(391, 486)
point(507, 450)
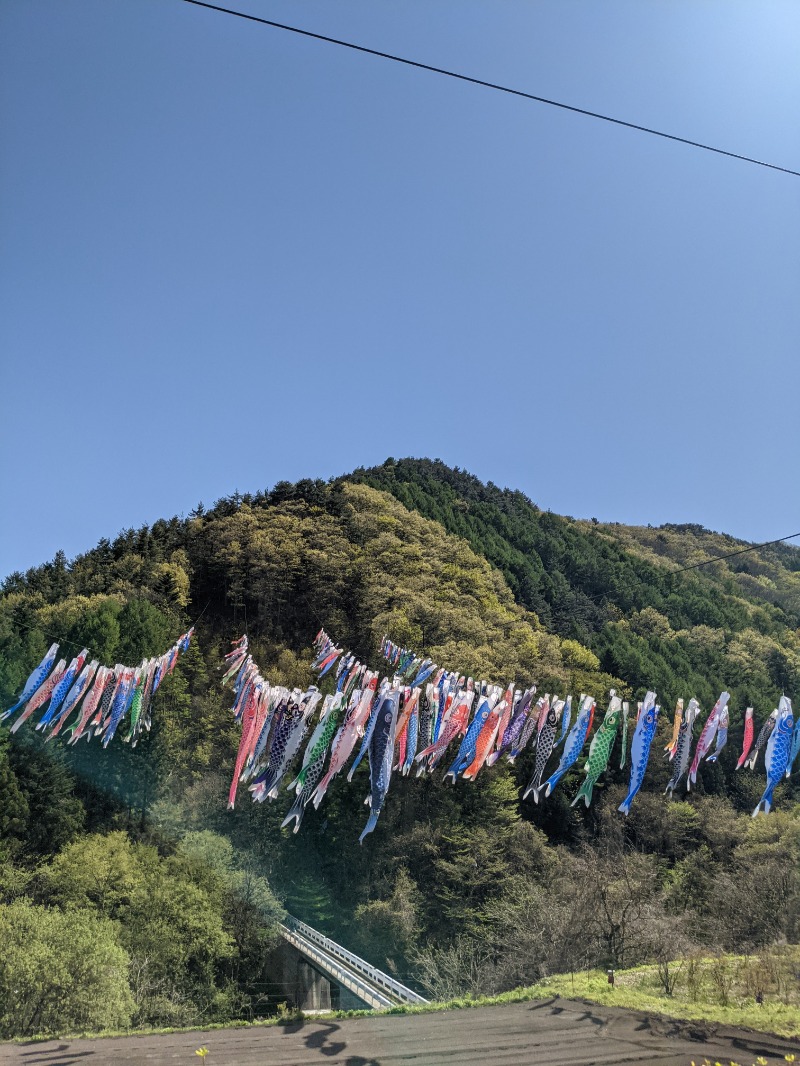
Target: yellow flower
point(202, 1052)
point(790, 1058)
point(761, 1061)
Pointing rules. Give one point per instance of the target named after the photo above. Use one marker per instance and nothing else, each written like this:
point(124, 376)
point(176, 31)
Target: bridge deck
point(372, 985)
point(340, 973)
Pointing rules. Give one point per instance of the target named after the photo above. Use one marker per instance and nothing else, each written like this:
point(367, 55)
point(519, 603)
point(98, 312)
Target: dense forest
point(462, 888)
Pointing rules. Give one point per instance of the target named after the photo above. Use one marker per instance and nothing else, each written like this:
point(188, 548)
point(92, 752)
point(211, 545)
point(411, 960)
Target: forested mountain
point(463, 887)
point(615, 588)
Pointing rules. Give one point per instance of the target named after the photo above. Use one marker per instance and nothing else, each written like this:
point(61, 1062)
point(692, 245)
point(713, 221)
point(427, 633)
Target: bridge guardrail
point(375, 976)
point(342, 974)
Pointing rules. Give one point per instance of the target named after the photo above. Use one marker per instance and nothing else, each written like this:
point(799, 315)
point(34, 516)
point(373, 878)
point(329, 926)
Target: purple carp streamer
point(101, 695)
point(707, 734)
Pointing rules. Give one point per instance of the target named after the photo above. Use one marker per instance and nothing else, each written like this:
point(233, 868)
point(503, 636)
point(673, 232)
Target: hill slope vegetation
point(463, 888)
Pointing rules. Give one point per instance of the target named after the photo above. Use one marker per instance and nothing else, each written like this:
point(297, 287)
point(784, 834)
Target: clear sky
point(230, 256)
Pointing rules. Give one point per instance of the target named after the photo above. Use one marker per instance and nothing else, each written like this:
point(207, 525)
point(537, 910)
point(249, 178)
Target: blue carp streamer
point(101, 696)
point(419, 711)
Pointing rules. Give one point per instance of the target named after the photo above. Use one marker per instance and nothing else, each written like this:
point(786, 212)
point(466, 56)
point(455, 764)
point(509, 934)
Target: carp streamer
point(100, 696)
point(409, 719)
point(421, 711)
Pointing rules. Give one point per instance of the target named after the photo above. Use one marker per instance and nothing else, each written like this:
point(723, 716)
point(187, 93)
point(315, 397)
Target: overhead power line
point(491, 85)
point(75, 644)
point(599, 598)
point(730, 555)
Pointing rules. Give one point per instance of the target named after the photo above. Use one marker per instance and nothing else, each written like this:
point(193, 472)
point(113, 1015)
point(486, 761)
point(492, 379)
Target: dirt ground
point(555, 1032)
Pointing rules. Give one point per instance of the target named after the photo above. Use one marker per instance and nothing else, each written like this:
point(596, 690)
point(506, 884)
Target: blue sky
point(230, 256)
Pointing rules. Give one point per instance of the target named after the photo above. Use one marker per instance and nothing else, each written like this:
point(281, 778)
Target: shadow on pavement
point(589, 1016)
point(319, 1041)
point(542, 1004)
point(37, 1048)
point(58, 1056)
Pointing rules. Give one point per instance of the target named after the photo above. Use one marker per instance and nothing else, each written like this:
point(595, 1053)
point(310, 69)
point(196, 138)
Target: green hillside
point(465, 887)
point(614, 588)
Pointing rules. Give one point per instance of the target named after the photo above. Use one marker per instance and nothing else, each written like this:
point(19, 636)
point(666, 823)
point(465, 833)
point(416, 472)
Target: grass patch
point(721, 989)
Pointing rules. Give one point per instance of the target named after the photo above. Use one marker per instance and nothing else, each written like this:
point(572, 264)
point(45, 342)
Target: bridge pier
point(309, 989)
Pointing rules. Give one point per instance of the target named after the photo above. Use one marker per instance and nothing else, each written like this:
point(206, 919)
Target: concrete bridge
point(322, 975)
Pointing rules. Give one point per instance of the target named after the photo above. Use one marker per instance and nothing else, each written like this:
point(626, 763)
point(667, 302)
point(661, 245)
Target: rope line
point(74, 644)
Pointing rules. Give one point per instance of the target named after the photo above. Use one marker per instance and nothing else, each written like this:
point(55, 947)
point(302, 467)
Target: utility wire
point(682, 569)
point(730, 555)
point(575, 591)
point(491, 85)
point(75, 644)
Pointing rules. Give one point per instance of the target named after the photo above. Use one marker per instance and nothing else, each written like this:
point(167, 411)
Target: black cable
point(605, 596)
point(490, 85)
point(730, 555)
point(684, 569)
point(75, 644)
point(593, 599)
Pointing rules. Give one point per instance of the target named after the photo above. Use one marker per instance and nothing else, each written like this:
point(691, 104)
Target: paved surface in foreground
point(546, 1033)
